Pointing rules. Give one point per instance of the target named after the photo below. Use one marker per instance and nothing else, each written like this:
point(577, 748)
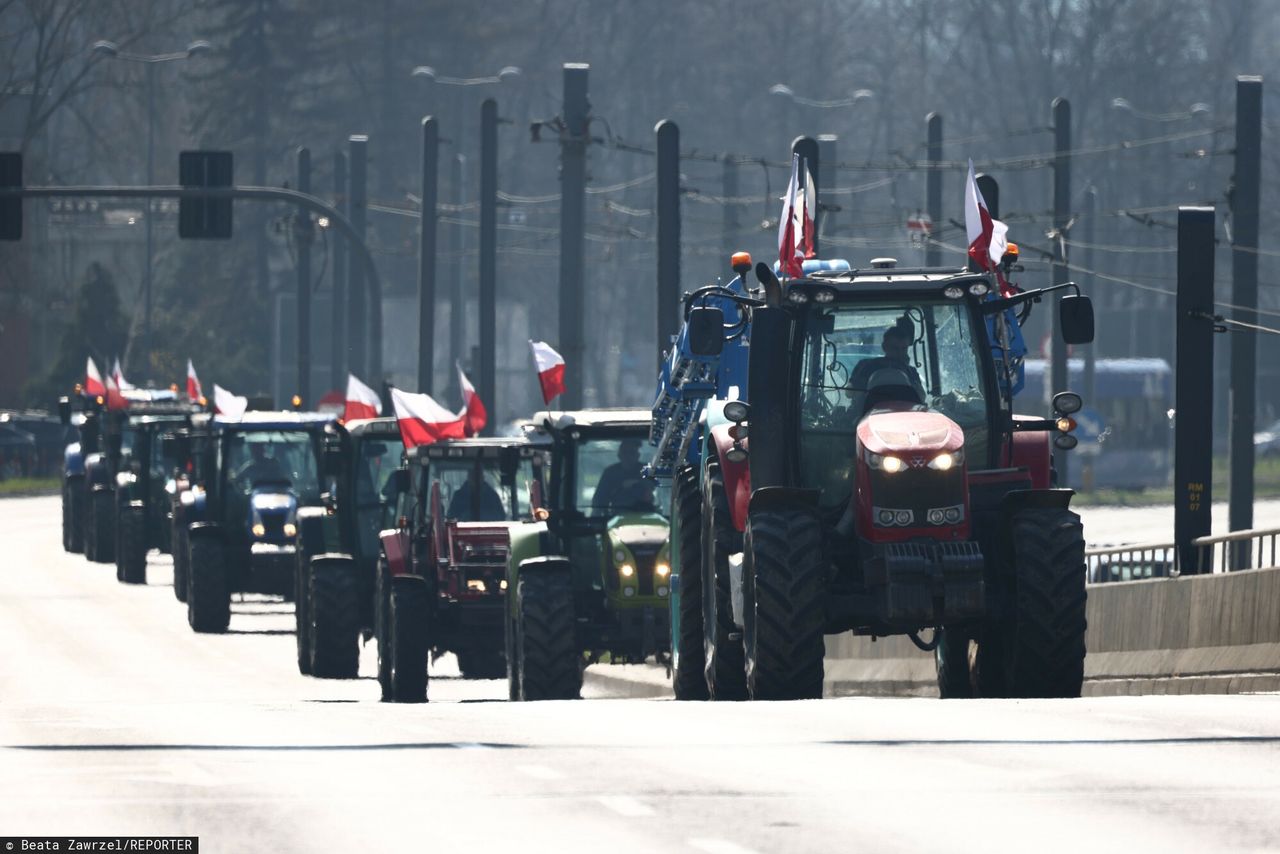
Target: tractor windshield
point(274, 457)
point(860, 355)
point(608, 482)
point(488, 489)
point(376, 459)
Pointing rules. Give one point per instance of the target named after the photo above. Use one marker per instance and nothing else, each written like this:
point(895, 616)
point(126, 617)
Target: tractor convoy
point(836, 451)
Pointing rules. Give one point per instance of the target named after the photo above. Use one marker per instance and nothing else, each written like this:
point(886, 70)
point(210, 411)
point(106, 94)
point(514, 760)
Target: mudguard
point(73, 460)
point(1031, 451)
point(343, 562)
point(197, 530)
point(1036, 499)
point(398, 551)
point(737, 476)
point(544, 563)
point(784, 498)
point(96, 473)
point(311, 530)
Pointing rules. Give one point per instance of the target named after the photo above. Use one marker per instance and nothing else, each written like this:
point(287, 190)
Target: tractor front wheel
point(102, 517)
point(131, 546)
point(73, 515)
point(725, 657)
point(690, 681)
point(302, 611)
point(334, 618)
point(410, 611)
point(208, 591)
point(550, 663)
point(784, 584)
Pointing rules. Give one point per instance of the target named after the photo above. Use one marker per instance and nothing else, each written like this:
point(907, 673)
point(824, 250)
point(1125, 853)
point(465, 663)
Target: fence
point(1217, 554)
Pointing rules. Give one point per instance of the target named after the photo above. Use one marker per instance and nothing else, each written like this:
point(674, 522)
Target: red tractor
point(879, 482)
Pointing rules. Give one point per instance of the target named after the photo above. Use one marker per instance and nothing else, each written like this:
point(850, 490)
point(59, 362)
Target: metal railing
point(1215, 554)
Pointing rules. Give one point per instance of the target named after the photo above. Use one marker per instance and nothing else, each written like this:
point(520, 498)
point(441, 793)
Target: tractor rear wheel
point(725, 656)
point(73, 515)
point(131, 546)
point(102, 517)
point(382, 625)
point(549, 660)
point(690, 675)
point(302, 611)
point(181, 551)
point(333, 612)
point(1044, 642)
point(951, 656)
point(208, 591)
point(409, 639)
point(784, 583)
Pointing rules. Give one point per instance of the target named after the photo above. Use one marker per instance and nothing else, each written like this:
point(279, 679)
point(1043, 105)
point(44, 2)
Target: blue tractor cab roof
point(283, 420)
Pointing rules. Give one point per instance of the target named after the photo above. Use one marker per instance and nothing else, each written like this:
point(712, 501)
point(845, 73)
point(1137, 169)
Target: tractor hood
point(904, 430)
point(638, 530)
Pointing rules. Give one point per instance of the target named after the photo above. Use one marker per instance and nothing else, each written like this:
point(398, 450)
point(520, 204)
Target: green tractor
point(338, 545)
point(592, 581)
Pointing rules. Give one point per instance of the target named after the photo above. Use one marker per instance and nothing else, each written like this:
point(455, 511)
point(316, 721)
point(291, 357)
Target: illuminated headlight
point(186, 499)
point(978, 289)
point(1065, 424)
point(626, 570)
point(259, 529)
point(662, 591)
point(953, 292)
point(125, 478)
point(946, 460)
point(884, 463)
point(628, 592)
point(662, 570)
point(797, 296)
point(824, 296)
point(475, 585)
point(290, 529)
point(502, 584)
point(619, 556)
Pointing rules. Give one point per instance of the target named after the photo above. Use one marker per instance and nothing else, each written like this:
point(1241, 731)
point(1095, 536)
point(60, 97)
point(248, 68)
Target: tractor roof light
point(740, 263)
point(979, 289)
point(953, 292)
point(737, 411)
point(824, 295)
point(797, 296)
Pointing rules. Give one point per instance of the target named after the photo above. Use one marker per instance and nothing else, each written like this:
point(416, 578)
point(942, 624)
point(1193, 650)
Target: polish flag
point(475, 415)
point(422, 421)
point(228, 404)
point(988, 238)
point(796, 227)
point(550, 365)
point(362, 401)
point(117, 373)
point(93, 386)
point(116, 383)
point(194, 391)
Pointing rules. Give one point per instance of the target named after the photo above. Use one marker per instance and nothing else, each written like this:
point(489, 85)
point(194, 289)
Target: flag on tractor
point(988, 237)
point(116, 383)
point(361, 402)
point(550, 367)
point(194, 392)
point(228, 404)
point(93, 385)
point(796, 225)
point(422, 421)
point(474, 414)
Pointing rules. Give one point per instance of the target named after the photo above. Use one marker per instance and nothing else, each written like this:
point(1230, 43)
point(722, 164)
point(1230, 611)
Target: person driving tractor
point(621, 485)
point(882, 373)
point(261, 467)
point(476, 501)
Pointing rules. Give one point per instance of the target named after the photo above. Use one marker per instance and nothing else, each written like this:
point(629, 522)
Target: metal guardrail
point(1218, 554)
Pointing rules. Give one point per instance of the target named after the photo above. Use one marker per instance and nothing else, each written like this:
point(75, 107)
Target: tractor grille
point(646, 561)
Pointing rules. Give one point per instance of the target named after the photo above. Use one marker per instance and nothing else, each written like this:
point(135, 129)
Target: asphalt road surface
point(116, 719)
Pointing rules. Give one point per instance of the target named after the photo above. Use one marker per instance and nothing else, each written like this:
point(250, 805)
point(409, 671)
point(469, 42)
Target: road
point(116, 719)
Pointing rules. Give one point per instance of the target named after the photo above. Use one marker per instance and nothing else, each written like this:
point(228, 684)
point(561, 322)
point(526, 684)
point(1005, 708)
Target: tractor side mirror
point(64, 410)
point(706, 331)
point(1075, 319)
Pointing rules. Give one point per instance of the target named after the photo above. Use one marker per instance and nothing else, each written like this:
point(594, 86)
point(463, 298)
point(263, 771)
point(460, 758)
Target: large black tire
point(181, 559)
point(103, 521)
point(301, 610)
point(726, 665)
point(334, 618)
point(1044, 641)
point(382, 625)
point(951, 657)
point(690, 681)
point(513, 659)
point(131, 546)
point(550, 663)
point(784, 585)
point(410, 610)
point(73, 515)
point(481, 664)
point(208, 591)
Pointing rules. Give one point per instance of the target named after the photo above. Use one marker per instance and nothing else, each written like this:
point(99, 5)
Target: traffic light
point(205, 219)
point(11, 207)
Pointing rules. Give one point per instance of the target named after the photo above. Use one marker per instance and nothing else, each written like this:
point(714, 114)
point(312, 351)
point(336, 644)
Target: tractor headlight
point(290, 529)
point(884, 463)
point(626, 570)
point(953, 292)
point(797, 296)
point(978, 289)
point(619, 556)
point(662, 570)
point(662, 591)
point(259, 529)
point(946, 460)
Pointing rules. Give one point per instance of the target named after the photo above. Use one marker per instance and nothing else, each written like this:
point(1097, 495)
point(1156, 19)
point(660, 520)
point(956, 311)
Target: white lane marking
point(718, 846)
point(540, 772)
point(625, 806)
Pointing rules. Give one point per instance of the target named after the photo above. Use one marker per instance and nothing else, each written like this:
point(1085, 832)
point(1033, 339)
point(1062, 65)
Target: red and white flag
point(988, 238)
point(422, 421)
point(117, 374)
point(550, 366)
point(93, 385)
point(228, 404)
point(475, 416)
point(116, 383)
point(796, 225)
point(194, 392)
point(362, 401)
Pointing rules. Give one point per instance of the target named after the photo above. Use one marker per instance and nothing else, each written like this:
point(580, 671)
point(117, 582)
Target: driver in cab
point(261, 467)
point(622, 487)
point(887, 377)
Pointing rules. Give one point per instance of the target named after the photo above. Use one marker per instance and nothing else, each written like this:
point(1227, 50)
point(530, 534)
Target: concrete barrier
point(1206, 634)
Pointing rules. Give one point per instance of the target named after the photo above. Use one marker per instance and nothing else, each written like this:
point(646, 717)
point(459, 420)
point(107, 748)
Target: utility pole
point(1090, 350)
point(933, 188)
point(1244, 293)
point(807, 148)
point(1193, 378)
point(489, 258)
point(668, 231)
point(303, 236)
point(1061, 218)
point(457, 296)
point(338, 365)
point(827, 206)
point(427, 254)
point(573, 183)
point(729, 191)
point(357, 299)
